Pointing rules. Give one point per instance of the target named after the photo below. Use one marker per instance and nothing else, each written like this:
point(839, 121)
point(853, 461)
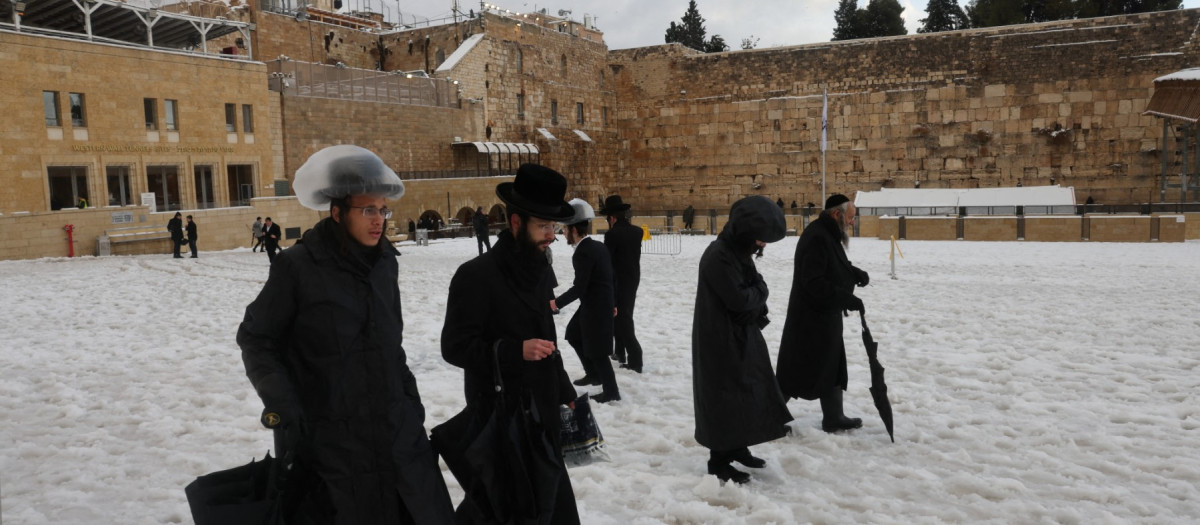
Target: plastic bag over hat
point(583, 211)
point(342, 170)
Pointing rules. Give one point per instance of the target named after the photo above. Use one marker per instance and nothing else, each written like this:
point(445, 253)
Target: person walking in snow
point(256, 232)
point(590, 330)
point(482, 236)
point(271, 235)
point(624, 242)
point(737, 401)
point(322, 345)
point(498, 310)
point(812, 355)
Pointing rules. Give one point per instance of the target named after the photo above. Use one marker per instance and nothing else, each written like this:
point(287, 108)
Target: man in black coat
point(322, 344)
point(175, 226)
point(624, 242)
point(191, 235)
point(482, 236)
point(737, 401)
point(812, 355)
point(271, 235)
point(499, 308)
point(590, 330)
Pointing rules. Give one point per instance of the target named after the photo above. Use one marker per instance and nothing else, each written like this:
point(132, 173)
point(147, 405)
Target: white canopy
point(953, 198)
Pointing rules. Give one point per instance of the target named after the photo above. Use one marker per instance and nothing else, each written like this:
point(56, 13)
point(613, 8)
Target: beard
point(527, 244)
point(844, 228)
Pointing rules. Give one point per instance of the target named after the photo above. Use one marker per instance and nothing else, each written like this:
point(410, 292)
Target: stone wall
point(1033, 104)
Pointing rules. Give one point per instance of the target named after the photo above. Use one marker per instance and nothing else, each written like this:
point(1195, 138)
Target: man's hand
point(854, 304)
point(553, 306)
point(861, 278)
point(536, 349)
point(614, 311)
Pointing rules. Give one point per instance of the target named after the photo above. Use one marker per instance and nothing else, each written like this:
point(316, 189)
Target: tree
point(716, 44)
point(1094, 8)
point(992, 13)
point(848, 21)
point(883, 18)
point(944, 15)
point(750, 42)
point(690, 31)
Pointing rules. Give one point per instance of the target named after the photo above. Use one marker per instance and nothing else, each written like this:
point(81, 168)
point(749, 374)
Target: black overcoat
point(271, 235)
point(737, 402)
point(175, 226)
point(593, 287)
point(812, 355)
point(497, 301)
point(624, 243)
point(325, 335)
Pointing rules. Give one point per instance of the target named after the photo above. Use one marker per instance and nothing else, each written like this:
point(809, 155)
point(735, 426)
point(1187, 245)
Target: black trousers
point(483, 240)
point(627, 348)
point(595, 360)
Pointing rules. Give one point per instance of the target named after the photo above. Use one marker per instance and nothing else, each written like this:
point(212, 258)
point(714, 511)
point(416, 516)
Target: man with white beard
point(812, 355)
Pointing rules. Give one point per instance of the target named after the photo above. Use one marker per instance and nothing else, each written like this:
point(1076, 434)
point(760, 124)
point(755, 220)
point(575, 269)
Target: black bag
point(581, 438)
point(245, 495)
point(502, 457)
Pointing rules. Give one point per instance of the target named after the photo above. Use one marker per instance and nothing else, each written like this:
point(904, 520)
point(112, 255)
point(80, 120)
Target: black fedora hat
point(613, 205)
point(538, 191)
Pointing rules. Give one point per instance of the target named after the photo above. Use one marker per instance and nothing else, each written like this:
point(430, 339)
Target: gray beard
point(844, 228)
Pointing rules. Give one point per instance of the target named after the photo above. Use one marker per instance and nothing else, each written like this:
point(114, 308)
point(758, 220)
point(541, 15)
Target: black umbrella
point(878, 387)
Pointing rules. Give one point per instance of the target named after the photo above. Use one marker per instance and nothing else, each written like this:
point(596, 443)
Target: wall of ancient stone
point(1046, 103)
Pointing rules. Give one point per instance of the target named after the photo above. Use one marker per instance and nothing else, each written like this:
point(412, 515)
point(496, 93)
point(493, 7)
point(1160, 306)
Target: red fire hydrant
point(70, 228)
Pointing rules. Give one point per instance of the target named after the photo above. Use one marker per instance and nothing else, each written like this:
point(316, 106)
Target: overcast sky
point(638, 23)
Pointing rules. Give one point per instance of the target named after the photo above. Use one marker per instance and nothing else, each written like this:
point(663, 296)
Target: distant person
point(256, 230)
point(624, 243)
point(482, 237)
point(323, 346)
point(793, 206)
point(779, 202)
point(1090, 201)
point(689, 215)
point(736, 399)
point(812, 354)
point(175, 226)
point(590, 330)
point(412, 230)
point(271, 236)
point(191, 235)
point(82, 203)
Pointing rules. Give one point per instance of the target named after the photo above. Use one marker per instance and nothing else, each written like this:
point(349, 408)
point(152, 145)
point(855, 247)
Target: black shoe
point(726, 472)
point(628, 367)
point(617, 358)
point(178, 256)
point(586, 381)
point(605, 397)
point(744, 457)
point(844, 423)
point(195, 257)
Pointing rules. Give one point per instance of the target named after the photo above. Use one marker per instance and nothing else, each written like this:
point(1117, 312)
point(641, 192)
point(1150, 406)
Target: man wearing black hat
point(812, 355)
point(499, 310)
point(175, 226)
point(624, 242)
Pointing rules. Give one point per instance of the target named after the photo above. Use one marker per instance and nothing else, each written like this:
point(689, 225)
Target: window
point(68, 186)
point(439, 56)
point(247, 118)
point(520, 105)
point(604, 116)
point(520, 61)
point(204, 189)
point(170, 112)
point(554, 112)
point(163, 182)
point(579, 112)
point(78, 116)
point(150, 106)
point(562, 65)
point(231, 118)
point(241, 184)
point(50, 103)
point(120, 191)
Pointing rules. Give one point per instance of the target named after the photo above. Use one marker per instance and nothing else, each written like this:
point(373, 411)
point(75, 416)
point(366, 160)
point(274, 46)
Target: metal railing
point(306, 79)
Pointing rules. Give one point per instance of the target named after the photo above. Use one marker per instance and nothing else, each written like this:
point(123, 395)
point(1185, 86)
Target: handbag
point(582, 441)
point(502, 457)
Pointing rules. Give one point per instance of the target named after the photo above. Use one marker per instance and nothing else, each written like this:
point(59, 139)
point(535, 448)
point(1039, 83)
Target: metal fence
point(306, 79)
point(663, 241)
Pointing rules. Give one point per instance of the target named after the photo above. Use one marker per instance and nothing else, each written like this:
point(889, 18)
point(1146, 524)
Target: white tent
point(978, 201)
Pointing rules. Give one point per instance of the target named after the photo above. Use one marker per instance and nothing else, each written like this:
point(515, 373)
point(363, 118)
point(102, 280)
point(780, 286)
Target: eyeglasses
point(549, 227)
point(371, 212)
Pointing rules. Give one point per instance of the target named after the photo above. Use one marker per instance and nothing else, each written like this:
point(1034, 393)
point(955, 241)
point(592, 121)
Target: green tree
point(944, 15)
point(750, 42)
point(883, 18)
point(1094, 8)
point(690, 29)
point(848, 21)
point(992, 13)
point(716, 44)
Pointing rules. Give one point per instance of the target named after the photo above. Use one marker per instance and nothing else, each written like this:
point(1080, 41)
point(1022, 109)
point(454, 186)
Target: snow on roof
point(458, 54)
point(1183, 74)
point(940, 198)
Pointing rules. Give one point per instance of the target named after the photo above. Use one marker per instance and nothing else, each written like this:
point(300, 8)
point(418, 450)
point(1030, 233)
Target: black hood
point(751, 219)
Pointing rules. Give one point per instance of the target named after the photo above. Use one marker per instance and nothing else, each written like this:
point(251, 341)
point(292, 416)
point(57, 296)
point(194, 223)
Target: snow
point(1053, 195)
point(1183, 74)
point(460, 53)
point(1031, 382)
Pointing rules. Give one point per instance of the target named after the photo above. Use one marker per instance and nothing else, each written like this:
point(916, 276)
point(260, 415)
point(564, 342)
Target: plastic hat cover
point(338, 171)
point(583, 211)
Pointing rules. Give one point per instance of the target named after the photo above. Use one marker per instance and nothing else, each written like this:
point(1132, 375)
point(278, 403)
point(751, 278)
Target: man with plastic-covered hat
point(322, 345)
point(498, 311)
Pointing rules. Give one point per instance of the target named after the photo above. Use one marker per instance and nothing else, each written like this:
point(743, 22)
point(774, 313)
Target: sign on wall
point(148, 201)
point(122, 217)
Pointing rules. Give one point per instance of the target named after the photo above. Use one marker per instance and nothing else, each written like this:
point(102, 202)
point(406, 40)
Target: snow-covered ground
point(1031, 382)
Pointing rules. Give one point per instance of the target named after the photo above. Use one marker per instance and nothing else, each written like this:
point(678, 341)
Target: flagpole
point(824, 128)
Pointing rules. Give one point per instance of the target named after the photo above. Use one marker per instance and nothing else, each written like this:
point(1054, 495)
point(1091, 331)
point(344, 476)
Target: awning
point(1176, 96)
point(582, 135)
point(500, 147)
point(546, 133)
point(172, 26)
